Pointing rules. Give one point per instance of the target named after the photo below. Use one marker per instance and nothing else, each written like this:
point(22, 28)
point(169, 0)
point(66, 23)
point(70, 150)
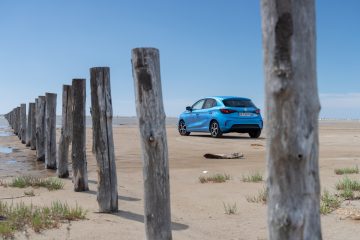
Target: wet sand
point(197, 209)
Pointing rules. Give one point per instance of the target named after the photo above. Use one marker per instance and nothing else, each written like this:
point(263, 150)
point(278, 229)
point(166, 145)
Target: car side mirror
point(188, 108)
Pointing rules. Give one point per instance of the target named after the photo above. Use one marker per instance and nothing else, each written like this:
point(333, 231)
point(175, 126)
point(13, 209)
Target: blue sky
point(207, 47)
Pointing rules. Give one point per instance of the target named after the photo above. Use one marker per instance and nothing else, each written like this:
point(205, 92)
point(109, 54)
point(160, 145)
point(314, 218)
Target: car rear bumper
point(243, 126)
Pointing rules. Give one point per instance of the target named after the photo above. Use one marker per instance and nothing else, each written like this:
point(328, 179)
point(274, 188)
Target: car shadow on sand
point(226, 137)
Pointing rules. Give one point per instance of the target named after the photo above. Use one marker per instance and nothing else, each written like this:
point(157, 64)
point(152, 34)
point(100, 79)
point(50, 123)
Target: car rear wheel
point(255, 133)
point(215, 130)
point(182, 129)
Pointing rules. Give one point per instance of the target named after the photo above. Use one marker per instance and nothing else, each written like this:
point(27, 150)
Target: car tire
point(255, 133)
point(215, 130)
point(182, 128)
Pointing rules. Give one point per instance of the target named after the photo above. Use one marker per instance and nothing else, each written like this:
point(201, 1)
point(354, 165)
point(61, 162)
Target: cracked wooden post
point(78, 156)
point(16, 121)
point(33, 125)
point(40, 128)
point(29, 125)
point(151, 119)
point(22, 134)
point(64, 142)
point(12, 119)
point(50, 131)
point(101, 113)
point(28, 128)
point(292, 109)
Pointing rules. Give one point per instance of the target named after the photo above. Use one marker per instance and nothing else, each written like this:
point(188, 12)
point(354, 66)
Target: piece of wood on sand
point(224, 155)
point(151, 119)
point(78, 156)
point(101, 113)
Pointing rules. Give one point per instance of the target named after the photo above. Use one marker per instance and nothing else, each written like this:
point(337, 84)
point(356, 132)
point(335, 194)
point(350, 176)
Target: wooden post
point(13, 120)
point(40, 128)
point(17, 120)
point(79, 163)
point(292, 108)
point(50, 131)
point(101, 113)
point(33, 124)
point(23, 123)
point(151, 119)
point(64, 143)
point(28, 128)
point(18, 116)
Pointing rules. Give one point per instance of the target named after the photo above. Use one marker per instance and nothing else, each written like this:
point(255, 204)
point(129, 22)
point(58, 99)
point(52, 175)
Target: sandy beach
point(197, 209)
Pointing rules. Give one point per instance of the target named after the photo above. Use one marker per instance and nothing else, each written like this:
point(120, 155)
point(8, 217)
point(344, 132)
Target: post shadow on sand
point(134, 216)
point(125, 198)
point(140, 218)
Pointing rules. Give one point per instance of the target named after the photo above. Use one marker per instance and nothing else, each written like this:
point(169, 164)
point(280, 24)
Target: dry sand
point(197, 209)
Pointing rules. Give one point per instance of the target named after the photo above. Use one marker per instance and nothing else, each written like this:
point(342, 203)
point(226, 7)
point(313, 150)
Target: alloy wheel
point(182, 128)
point(214, 129)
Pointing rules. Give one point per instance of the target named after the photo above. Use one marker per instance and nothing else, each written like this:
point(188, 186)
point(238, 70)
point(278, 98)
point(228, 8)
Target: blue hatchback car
point(223, 114)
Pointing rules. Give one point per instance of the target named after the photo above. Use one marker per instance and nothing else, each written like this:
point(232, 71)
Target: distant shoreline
point(170, 121)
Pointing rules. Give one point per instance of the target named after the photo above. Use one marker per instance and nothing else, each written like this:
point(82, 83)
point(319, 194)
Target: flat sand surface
point(197, 209)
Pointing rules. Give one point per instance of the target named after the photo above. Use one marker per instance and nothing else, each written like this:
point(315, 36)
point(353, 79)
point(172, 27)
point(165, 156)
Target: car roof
point(227, 97)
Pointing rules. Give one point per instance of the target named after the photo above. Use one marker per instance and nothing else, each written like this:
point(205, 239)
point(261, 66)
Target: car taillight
point(257, 111)
point(226, 111)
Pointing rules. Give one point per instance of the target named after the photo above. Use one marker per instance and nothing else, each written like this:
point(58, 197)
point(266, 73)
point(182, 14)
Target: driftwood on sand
point(224, 155)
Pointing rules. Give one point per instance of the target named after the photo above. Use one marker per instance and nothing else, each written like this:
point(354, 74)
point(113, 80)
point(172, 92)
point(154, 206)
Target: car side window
point(209, 103)
point(198, 105)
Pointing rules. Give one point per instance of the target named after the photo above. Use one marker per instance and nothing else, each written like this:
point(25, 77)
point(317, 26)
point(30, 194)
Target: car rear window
point(238, 103)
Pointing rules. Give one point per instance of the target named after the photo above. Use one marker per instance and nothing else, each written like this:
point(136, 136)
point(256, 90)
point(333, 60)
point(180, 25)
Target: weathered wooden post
point(292, 107)
point(14, 120)
point(23, 123)
point(10, 118)
point(151, 119)
point(18, 121)
point(65, 138)
point(33, 124)
point(78, 155)
point(29, 125)
point(28, 128)
point(40, 128)
point(50, 131)
point(18, 115)
point(17, 124)
point(101, 113)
